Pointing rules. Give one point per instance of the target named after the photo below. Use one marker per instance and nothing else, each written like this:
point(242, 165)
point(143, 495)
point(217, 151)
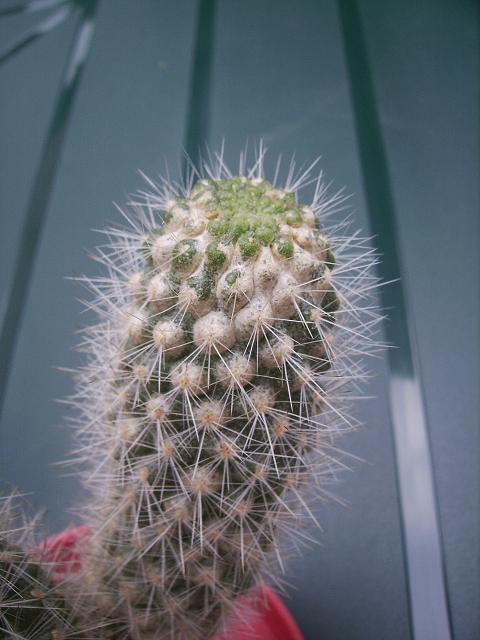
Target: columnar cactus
point(230, 322)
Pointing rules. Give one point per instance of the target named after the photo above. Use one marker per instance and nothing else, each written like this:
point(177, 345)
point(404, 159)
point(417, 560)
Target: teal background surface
point(162, 75)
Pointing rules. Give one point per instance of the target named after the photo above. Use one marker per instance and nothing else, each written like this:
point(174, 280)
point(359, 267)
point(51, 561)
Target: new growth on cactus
point(232, 322)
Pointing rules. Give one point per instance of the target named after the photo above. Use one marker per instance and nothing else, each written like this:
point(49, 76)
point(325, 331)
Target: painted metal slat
point(279, 75)
point(30, 82)
point(424, 61)
point(13, 303)
point(422, 541)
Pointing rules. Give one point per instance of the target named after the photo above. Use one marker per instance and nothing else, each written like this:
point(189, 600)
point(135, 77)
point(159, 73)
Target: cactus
point(31, 607)
point(213, 392)
point(232, 322)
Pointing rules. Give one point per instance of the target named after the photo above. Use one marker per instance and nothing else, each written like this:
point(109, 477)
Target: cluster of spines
point(209, 403)
point(31, 605)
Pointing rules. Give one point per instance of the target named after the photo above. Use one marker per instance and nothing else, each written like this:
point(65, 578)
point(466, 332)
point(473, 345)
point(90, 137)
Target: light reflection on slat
point(30, 6)
point(31, 35)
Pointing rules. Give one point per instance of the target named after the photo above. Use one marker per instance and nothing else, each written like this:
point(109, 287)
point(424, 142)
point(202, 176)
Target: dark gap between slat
point(199, 99)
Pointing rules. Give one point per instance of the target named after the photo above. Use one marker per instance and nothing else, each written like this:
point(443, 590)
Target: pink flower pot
point(270, 619)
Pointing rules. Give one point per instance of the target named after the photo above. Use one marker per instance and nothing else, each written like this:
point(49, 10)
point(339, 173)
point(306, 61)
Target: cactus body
point(232, 321)
point(209, 402)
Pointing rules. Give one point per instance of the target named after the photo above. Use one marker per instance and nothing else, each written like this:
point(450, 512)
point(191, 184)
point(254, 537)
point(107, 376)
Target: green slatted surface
point(163, 74)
